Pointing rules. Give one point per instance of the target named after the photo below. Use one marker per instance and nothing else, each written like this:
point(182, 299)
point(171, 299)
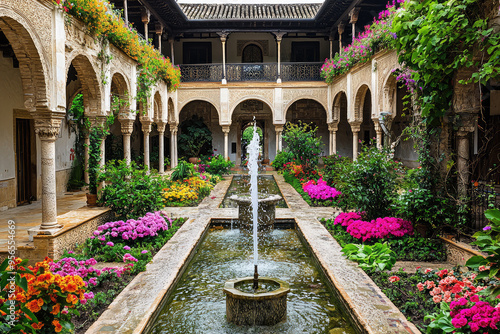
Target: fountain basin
point(262, 309)
point(266, 214)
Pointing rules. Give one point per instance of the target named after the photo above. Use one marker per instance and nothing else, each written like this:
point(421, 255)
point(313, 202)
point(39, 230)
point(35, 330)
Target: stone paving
point(139, 302)
point(29, 216)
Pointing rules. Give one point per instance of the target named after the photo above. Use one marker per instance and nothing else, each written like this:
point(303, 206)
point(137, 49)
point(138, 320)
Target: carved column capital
point(340, 28)
point(160, 126)
point(225, 128)
point(127, 126)
point(466, 97)
point(278, 127)
point(353, 15)
point(355, 126)
point(158, 28)
point(279, 35)
point(173, 128)
point(47, 123)
point(223, 36)
point(146, 126)
point(145, 15)
point(333, 126)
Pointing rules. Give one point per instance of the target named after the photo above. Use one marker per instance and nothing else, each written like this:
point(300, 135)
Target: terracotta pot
point(193, 160)
point(91, 199)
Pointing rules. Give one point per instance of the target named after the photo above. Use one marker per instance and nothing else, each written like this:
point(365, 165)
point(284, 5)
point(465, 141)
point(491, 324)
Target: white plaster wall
point(64, 144)
point(11, 97)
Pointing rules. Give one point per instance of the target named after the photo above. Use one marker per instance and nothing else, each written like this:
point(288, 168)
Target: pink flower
point(109, 243)
point(144, 252)
point(126, 247)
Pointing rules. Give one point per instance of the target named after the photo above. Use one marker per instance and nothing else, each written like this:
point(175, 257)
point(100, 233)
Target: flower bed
point(379, 228)
point(189, 191)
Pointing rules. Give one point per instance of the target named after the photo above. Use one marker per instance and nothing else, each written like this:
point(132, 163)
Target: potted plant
point(195, 136)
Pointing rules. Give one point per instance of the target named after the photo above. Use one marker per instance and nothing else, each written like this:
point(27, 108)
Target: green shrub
point(282, 157)
point(131, 192)
point(303, 143)
point(335, 166)
point(376, 257)
point(182, 171)
point(371, 183)
point(217, 165)
point(195, 137)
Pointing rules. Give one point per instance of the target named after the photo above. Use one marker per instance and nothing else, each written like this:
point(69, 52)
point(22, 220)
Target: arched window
point(252, 53)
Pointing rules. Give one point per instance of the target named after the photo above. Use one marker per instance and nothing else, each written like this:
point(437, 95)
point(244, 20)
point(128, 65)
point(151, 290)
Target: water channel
point(197, 305)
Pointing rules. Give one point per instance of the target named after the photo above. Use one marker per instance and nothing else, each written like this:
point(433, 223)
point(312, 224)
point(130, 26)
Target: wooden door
point(23, 155)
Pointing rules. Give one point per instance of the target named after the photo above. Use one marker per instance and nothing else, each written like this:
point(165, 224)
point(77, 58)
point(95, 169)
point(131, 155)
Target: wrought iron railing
point(251, 72)
point(483, 197)
point(201, 72)
point(301, 71)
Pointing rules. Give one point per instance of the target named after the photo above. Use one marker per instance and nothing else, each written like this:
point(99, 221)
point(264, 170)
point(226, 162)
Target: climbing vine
point(435, 38)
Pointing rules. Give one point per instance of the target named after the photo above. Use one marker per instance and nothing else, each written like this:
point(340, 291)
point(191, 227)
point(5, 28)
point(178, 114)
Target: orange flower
point(33, 306)
point(37, 326)
point(40, 302)
point(56, 309)
point(72, 299)
point(57, 325)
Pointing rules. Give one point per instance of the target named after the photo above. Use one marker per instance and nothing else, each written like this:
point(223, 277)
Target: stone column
point(340, 29)
point(355, 126)
point(171, 41)
point(279, 131)
point(279, 37)
point(466, 104)
point(127, 127)
point(146, 130)
point(223, 37)
point(378, 131)
point(173, 145)
point(225, 129)
point(101, 121)
point(86, 146)
point(145, 15)
point(159, 32)
point(333, 128)
point(265, 139)
point(238, 144)
point(330, 39)
point(125, 12)
point(161, 132)
point(47, 126)
point(353, 15)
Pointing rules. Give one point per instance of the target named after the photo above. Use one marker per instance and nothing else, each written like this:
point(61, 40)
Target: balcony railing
point(251, 72)
point(203, 72)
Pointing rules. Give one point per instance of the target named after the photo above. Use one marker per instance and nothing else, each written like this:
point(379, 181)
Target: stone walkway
point(132, 310)
point(28, 216)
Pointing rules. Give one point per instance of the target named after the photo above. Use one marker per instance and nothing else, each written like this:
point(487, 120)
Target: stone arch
point(337, 105)
point(200, 98)
point(171, 112)
point(157, 107)
point(359, 102)
point(388, 93)
point(247, 98)
point(91, 86)
point(120, 88)
point(305, 97)
point(32, 60)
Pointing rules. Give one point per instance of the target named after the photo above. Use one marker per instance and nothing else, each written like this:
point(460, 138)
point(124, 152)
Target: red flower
point(393, 279)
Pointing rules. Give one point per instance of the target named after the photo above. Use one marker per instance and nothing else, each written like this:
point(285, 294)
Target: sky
point(251, 1)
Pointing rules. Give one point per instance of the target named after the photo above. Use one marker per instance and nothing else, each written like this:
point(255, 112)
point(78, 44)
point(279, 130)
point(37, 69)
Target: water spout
point(253, 170)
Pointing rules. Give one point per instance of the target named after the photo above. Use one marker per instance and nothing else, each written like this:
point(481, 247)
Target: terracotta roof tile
point(242, 12)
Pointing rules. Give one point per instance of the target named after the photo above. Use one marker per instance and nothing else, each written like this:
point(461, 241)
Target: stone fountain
point(264, 304)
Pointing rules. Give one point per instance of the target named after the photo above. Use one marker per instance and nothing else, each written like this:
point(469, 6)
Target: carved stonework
point(160, 126)
point(173, 129)
point(47, 124)
point(278, 128)
point(355, 126)
point(291, 95)
point(225, 128)
point(146, 126)
point(237, 95)
point(333, 127)
point(467, 123)
point(127, 126)
point(466, 97)
point(184, 96)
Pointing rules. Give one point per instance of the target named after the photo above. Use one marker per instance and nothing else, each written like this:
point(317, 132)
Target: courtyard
point(267, 167)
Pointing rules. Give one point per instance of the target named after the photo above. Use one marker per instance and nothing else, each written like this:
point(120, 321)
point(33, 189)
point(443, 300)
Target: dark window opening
point(252, 53)
point(305, 51)
point(197, 52)
point(233, 148)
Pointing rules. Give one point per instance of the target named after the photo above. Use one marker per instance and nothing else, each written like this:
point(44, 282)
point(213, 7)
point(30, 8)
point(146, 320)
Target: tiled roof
point(249, 12)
